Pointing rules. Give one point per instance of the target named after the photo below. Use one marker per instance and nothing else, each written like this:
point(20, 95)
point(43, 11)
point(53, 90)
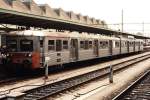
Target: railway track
point(138, 90)
point(48, 90)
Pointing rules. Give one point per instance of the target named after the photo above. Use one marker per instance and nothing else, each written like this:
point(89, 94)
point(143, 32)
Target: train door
point(128, 46)
point(134, 42)
point(139, 46)
point(95, 47)
point(74, 49)
point(110, 47)
point(120, 45)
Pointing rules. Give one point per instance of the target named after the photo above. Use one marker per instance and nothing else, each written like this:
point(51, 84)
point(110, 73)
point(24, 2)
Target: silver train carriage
point(34, 48)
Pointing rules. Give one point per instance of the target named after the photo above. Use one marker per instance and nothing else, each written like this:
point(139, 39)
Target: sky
point(135, 12)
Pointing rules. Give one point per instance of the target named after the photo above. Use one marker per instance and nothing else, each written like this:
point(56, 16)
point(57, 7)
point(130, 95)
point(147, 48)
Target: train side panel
point(124, 46)
point(131, 46)
point(116, 47)
point(86, 49)
point(137, 45)
point(57, 51)
point(141, 45)
point(104, 49)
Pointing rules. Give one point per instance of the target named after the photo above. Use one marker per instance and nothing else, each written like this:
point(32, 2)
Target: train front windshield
point(21, 46)
point(12, 45)
point(26, 45)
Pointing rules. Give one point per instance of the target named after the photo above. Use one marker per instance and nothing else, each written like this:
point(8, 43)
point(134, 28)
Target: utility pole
point(122, 20)
point(143, 27)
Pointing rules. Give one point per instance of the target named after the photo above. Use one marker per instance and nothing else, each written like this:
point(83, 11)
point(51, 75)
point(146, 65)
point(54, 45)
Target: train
point(32, 49)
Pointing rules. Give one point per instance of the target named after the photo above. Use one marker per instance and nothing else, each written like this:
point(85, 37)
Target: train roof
point(61, 34)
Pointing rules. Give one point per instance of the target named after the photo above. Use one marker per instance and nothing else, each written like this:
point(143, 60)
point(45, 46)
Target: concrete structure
point(30, 7)
point(27, 13)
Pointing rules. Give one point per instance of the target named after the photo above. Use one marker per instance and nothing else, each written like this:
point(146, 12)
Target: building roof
point(28, 13)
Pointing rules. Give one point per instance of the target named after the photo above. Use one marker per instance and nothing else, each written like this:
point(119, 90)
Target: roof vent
point(43, 7)
point(27, 3)
point(9, 2)
point(26, 0)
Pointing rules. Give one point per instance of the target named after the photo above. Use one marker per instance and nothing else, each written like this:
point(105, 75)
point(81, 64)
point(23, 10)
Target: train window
point(65, 44)
point(12, 45)
point(90, 44)
point(125, 44)
point(58, 45)
point(82, 44)
point(100, 42)
point(117, 44)
point(122, 44)
point(130, 44)
point(136, 43)
point(26, 45)
point(103, 44)
point(106, 44)
point(41, 43)
point(86, 45)
point(51, 44)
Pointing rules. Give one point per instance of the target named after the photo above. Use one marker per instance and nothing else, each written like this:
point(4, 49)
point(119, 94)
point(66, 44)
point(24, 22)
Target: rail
point(138, 90)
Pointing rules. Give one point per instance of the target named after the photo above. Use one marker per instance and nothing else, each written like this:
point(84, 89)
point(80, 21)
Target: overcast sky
point(135, 11)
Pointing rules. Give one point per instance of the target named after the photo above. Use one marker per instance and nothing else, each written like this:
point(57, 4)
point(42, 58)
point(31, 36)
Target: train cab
point(23, 50)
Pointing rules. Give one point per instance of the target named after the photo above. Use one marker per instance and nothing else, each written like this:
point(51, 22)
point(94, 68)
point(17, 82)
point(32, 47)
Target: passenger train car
point(31, 49)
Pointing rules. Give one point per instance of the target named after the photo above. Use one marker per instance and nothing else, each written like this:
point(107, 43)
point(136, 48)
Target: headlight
point(7, 54)
point(29, 55)
point(3, 55)
point(26, 55)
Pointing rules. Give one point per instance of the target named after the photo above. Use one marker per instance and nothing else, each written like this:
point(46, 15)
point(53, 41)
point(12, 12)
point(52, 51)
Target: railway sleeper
point(33, 97)
point(143, 97)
